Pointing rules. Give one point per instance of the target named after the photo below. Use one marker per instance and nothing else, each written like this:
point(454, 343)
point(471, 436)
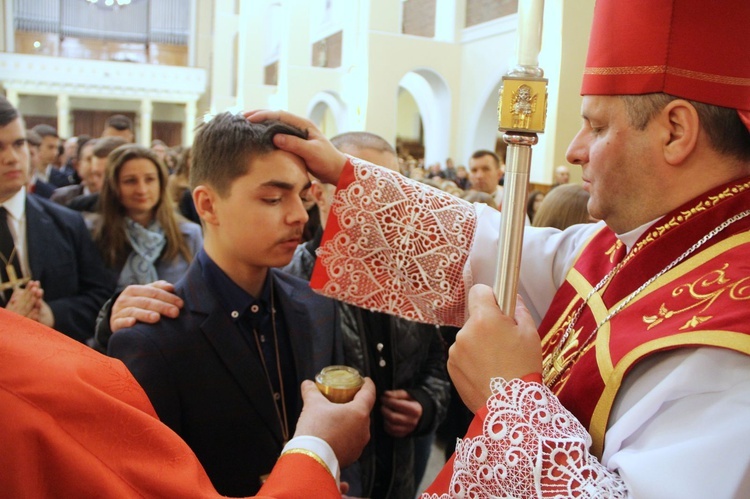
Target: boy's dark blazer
point(65, 260)
point(206, 381)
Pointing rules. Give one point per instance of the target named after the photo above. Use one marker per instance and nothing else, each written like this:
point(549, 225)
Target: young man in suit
point(225, 374)
point(119, 125)
point(46, 243)
point(49, 152)
point(37, 168)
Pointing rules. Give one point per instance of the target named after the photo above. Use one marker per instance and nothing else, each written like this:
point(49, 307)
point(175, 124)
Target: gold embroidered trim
point(731, 340)
point(611, 253)
point(715, 283)
point(311, 454)
point(624, 70)
point(685, 73)
point(696, 75)
point(686, 215)
point(552, 362)
point(698, 260)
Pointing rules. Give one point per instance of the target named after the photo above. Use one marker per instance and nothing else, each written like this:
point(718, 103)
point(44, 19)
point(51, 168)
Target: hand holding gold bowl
point(339, 384)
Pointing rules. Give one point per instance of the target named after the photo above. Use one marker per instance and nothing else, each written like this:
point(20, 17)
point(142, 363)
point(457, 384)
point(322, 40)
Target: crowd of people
point(163, 314)
point(144, 226)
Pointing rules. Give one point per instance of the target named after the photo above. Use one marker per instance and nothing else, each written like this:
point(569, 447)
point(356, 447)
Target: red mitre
point(692, 49)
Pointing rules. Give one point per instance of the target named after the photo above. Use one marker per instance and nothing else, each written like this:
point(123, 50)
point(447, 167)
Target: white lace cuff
point(531, 446)
point(401, 247)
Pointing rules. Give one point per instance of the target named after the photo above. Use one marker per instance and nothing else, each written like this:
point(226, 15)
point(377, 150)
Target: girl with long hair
point(140, 236)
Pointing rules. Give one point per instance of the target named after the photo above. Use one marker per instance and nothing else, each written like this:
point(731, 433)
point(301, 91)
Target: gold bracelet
point(311, 454)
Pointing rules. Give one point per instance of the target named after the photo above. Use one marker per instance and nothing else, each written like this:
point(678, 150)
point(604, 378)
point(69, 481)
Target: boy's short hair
point(106, 145)
point(33, 138)
point(224, 147)
point(82, 141)
point(119, 122)
point(45, 130)
point(8, 112)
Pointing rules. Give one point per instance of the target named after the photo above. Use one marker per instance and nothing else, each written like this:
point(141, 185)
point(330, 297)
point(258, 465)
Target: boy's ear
point(205, 198)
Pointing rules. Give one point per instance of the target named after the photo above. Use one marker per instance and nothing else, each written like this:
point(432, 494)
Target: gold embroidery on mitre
point(624, 70)
point(714, 78)
point(684, 73)
point(704, 292)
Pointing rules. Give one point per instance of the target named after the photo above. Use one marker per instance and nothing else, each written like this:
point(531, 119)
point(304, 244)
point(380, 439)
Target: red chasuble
point(699, 299)
point(74, 423)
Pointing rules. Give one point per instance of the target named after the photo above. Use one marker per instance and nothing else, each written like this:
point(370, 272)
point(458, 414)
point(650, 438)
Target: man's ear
point(205, 198)
point(682, 127)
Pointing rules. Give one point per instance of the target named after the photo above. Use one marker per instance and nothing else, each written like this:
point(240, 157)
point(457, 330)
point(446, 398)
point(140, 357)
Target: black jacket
point(414, 358)
point(65, 260)
point(207, 383)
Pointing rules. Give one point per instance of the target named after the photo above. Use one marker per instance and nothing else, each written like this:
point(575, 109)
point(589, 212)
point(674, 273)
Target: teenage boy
point(225, 374)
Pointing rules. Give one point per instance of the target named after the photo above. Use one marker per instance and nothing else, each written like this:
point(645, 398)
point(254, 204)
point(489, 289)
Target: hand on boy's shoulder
point(144, 303)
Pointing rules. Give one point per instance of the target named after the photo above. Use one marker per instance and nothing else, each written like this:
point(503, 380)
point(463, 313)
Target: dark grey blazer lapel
point(299, 325)
point(41, 236)
point(240, 359)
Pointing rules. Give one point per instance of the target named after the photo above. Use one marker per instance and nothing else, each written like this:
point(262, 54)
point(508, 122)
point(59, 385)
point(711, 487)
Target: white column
point(63, 115)
point(189, 125)
point(445, 20)
point(12, 96)
point(147, 109)
point(226, 25)
point(9, 35)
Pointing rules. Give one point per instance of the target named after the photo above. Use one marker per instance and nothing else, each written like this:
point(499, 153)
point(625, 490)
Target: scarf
point(148, 243)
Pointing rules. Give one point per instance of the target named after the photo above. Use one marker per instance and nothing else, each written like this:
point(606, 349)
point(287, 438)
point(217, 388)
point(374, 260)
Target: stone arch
point(482, 123)
point(433, 98)
point(328, 101)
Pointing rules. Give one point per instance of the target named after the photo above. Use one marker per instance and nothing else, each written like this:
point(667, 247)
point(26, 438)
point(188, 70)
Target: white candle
point(529, 31)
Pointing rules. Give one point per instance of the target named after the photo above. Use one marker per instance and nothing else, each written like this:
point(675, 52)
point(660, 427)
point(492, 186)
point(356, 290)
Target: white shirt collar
point(16, 205)
point(631, 237)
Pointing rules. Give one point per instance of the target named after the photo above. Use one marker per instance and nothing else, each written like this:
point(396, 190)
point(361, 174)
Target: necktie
point(9, 256)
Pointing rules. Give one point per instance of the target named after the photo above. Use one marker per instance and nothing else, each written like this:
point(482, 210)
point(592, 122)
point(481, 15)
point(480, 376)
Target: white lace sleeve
point(531, 446)
point(400, 247)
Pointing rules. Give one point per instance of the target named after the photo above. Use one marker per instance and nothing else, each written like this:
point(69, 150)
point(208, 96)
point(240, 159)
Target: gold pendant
point(13, 280)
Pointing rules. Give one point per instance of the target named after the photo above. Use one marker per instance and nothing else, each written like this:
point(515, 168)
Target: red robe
point(398, 248)
point(75, 423)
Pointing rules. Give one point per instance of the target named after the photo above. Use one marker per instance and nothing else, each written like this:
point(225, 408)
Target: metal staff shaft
point(522, 111)
point(518, 164)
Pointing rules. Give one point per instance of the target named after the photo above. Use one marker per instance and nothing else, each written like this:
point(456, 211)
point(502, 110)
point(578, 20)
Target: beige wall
point(563, 55)
point(468, 63)
point(407, 124)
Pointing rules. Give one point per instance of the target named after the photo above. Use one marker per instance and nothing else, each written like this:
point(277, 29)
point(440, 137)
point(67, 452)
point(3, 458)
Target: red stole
point(698, 302)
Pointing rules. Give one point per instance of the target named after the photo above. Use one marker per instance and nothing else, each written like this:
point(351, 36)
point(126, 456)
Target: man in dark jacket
point(405, 359)
point(46, 243)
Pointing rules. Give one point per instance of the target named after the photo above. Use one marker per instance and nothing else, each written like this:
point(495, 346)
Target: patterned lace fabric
point(402, 248)
point(531, 447)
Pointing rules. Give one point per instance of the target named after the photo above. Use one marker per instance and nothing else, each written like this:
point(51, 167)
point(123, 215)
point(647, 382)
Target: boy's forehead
point(276, 166)
point(275, 156)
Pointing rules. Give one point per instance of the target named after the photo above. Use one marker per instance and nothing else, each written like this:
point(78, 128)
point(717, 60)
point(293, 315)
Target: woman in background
point(179, 186)
point(140, 236)
point(532, 204)
point(562, 207)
